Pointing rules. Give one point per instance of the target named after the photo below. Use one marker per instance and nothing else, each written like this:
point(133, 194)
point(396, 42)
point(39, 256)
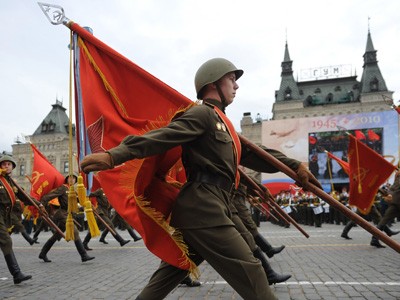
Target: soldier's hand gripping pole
point(41, 210)
point(320, 193)
point(282, 214)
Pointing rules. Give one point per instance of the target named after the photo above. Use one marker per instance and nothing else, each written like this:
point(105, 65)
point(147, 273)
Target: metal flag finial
point(54, 13)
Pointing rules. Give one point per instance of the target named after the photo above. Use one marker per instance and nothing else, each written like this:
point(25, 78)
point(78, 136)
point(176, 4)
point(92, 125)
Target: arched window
point(329, 98)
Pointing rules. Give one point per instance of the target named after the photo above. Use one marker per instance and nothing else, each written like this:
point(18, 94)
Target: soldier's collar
point(214, 102)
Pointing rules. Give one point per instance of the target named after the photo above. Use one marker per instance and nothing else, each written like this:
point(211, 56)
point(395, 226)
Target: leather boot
point(86, 241)
point(121, 241)
point(389, 231)
point(266, 247)
point(82, 251)
point(133, 235)
point(272, 276)
point(375, 242)
point(346, 230)
point(28, 238)
point(190, 282)
point(46, 247)
point(103, 236)
point(15, 271)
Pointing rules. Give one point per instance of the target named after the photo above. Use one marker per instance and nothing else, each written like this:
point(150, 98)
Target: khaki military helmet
point(8, 158)
point(213, 70)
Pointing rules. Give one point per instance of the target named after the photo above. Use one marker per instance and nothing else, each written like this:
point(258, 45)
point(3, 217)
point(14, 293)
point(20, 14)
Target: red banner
point(344, 164)
point(116, 98)
point(368, 171)
point(45, 176)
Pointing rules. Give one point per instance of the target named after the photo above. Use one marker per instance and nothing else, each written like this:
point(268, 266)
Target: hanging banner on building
point(308, 139)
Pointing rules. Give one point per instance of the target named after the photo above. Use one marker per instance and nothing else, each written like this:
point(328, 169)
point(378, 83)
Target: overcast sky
point(171, 39)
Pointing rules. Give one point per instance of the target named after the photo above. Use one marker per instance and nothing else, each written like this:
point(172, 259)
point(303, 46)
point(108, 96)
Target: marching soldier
point(393, 210)
point(8, 196)
point(60, 218)
point(103, 209)
point(117, 219)
point(211, 152)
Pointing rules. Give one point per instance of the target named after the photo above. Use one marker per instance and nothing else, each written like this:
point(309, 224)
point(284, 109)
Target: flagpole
point(320, 193)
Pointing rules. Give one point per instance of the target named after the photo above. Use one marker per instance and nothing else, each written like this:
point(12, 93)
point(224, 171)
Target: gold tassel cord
point(81, 191)
point(91, 220)
point(85, 202)
point(69, 228)
point(358, 169)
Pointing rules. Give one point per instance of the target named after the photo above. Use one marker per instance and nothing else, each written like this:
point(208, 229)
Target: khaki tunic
point(201, 210)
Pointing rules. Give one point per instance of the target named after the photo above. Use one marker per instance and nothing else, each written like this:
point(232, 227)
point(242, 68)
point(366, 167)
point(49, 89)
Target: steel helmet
point(8, 158)
point(213, 70)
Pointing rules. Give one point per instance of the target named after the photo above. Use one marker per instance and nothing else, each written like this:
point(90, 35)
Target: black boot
point(375, 242)
point(389, 231)
point(46, 247)
point(103, 236)
point(346, 230)
point(82, 251)
point(28, 238)
point(86, 241)
point(15, 271)
point(272, 276)
point(133, 235)
point(266, 247)
point(121, 241)
point(190, 282)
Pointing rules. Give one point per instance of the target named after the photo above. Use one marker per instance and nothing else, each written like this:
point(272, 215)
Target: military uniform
point(16, 223)
point(391, 212)
point(60, 219)
point(103, 209)
point(9, 193)
point(201, 211)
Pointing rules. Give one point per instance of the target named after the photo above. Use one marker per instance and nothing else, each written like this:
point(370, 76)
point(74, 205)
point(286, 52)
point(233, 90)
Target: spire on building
point(371, 79)
point(288, 89)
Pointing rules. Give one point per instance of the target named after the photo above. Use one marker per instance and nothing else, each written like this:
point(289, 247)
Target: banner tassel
point(85, 202)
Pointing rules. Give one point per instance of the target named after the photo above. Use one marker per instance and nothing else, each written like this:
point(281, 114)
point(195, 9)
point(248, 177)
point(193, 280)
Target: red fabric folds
point(368, 171)
point(45, 176)
point(118, 98)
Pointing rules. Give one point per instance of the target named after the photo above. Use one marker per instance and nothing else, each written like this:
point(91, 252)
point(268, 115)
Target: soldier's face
point(228, 87)
point(7, 165)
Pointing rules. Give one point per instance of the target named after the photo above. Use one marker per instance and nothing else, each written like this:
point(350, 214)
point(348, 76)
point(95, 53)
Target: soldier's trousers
point(227, 252)
point(5, 239)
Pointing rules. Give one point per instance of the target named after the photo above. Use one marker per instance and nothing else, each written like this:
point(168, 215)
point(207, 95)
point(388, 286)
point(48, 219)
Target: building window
point(338, 88)
point(288, 93)
point(22, 170)
point(66, 167)
point(44, 127)
point(329, 98)
point(317, 91)
point(52, 126)
point(374, 85)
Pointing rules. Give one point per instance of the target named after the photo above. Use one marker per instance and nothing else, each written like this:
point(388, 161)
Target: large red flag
point(45, 176)
point(344, 164)
point(368, 171)
point(116, 98)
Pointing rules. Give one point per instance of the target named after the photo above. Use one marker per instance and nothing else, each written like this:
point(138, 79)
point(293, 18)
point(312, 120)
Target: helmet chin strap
point(221, 95)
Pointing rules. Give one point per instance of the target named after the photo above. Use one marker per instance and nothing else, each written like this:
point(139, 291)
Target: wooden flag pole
point(320, 193)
